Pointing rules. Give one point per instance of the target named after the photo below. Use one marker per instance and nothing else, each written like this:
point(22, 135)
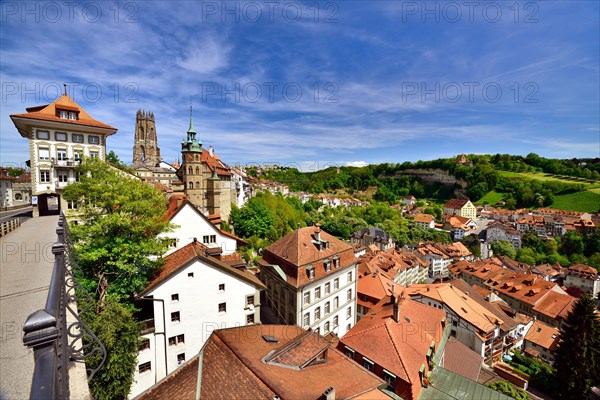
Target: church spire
point(191, 128)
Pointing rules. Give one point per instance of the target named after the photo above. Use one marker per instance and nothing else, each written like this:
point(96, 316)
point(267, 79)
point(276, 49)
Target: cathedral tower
point(145, 148)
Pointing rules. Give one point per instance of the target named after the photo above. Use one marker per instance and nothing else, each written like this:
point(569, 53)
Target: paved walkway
point(26, 262)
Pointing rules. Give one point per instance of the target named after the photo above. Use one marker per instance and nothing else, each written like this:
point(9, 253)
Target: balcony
point(66, 163)
point(147, 326)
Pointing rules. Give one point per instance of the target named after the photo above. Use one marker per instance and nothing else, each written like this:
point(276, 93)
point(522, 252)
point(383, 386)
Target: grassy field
point(540, 176)
point(586, 201)
point(490, 198)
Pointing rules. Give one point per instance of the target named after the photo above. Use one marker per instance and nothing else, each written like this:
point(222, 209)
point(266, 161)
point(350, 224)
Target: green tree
point(505, 387)
point(504, 248)
point(571, 243)
point(116, 242)
point(253, 219)
point(577, 358)
point(117, 329)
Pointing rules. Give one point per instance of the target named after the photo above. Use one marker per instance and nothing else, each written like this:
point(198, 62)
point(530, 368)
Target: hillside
point(530, 181)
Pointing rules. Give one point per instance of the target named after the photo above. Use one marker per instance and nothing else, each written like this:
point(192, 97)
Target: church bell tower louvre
point(146, 152)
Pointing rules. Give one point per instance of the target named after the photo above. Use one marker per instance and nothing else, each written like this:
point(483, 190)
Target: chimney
point(180, 200)
point(211, 150)
point(328, 394)
point(396, 311)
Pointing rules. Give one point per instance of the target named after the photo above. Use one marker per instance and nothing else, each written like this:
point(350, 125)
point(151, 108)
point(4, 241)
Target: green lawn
point(549, 177)
point(490, 198)
point(588, 201)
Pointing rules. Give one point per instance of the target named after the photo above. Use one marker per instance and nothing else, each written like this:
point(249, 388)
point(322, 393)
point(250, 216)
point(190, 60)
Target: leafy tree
point(117, 329)
point(504, 248)
point(253, 219)
point(505, 387)
point(116, 244)
point(571, 243)
point(577, 358)
point(478, 191)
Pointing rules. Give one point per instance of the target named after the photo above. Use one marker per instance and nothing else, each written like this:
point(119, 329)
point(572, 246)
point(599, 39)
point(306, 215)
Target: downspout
point(160, 333)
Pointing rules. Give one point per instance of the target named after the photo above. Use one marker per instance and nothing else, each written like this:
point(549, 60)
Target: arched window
point(190, 185)
point(197, 171)
point(18, 196)
point(197, 185)
point(196, 157)
point(190, 170)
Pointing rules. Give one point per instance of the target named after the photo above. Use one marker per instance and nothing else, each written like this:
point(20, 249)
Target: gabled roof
point(49, 113)
point(195, 251)
point(238, 364)
point(543, 335)
point(456, 204)
point(378, 337)
point(424, 218)
point(181, 384)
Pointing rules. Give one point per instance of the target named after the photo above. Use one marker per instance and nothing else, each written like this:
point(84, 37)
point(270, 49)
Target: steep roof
point(456, 204)
point(192, 252)
point(181, 384)
point(384, 341)
point(543, 335)
point(49, 112)
point(240, 363)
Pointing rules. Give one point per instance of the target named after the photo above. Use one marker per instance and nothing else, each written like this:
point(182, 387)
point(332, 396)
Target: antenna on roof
point(65, 85)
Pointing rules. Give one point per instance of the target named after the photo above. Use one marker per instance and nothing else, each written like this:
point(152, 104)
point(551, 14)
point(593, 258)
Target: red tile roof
point(424, 218)
point(191, 252)
point(299, 250)
point(180, 385)
point(456, 204)
point(49, 113)
point(399, 347)
point(543, 335)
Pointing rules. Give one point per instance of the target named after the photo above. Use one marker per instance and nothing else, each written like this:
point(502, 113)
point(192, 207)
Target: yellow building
point(460, 207)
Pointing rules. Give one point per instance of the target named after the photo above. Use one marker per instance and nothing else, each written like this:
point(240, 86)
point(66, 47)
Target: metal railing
point(56, 334)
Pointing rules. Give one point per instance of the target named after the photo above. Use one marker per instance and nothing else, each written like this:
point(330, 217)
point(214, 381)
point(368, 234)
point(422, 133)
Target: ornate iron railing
point(56, 333)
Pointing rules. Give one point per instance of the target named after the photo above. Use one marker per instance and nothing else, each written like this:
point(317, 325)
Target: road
point(22, 212)
point(26, 262)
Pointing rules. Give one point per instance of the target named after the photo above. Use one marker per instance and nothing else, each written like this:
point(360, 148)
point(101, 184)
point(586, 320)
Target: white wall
point(190, 226)
point(198, 305)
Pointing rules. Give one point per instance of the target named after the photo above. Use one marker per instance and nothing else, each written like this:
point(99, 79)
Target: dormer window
point(327, 265)
point(64, 114)
point(310, 271)
point(336, 262)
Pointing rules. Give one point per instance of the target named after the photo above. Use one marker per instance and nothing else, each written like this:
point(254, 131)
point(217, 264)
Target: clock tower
point(191, 167)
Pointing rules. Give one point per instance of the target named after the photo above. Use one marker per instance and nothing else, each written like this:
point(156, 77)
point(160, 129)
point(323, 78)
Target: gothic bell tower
point(191, 171)
point(145, 148)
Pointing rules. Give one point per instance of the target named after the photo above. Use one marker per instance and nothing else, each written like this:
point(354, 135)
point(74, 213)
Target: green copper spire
point(214, 176)
point(191, 128)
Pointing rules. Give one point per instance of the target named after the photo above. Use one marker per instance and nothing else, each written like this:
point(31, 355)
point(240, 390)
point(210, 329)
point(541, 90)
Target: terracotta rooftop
point(399, 347)
point(49, 112)
point(192, 252)
point(543, 335)
point(307, 249)
point(456, 204)
point(424, 218)
point(583, 270)
point(238, 363)
point(181, 384)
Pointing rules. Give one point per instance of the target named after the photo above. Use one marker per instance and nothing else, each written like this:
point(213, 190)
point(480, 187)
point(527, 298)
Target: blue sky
point(314, 84)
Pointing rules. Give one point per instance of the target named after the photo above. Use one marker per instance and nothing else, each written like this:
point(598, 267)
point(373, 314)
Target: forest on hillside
point(530, 181)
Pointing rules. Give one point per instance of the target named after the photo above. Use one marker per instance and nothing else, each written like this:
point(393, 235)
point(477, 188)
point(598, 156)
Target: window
point(222, 307)
point(326, 327)
point(60, 136)
point(336, 262)
point(250, 300)
point(63, 114)
point(390, 379)
point(63, 177)
point(327, 308)
point(349, 295)
point(180, 358)
point(208, 238)
point(306, 298)
point(72, 205)
point(93, 139)
point(336, 283)
point(44, 176)
point(44, 153)
point(327, 288)
point(249, 319)
point(318, 330)
point(221, 287)
point(349, 352)
point(147, 366)
point(336, 302)
point(77, 176)
point(335, 321)
point(93, 154)
point(310, 271)
point(317, 313)
point(43, 135)
point(77, 155)
point(306, 320)
point(175, 317)
point(317, 293)
point(349, 312)
point(327, 265)
point(350, 276)
point(175, 297)
point(368, 364)
point(144, 345)
point(77, 138)
point(190, 274)
point(175, 340)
